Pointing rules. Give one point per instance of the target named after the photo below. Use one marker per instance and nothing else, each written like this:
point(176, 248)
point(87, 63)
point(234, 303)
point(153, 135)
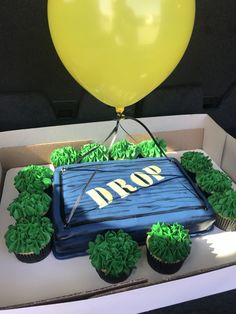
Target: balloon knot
point(120, 115)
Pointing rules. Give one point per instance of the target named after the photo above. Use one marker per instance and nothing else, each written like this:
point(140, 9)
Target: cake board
point(57, 280)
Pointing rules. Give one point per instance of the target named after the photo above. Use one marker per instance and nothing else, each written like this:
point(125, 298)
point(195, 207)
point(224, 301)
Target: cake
point(224, 205)
point(114, 255)
point(150, 149)
point(29, 204)
point(213, 181)
point(124, 150)
point(33, 178)
point(93, 152)
point(130, 195)
point(66, 155)
point(168, 246)
point(195, 162)
point(30, 239)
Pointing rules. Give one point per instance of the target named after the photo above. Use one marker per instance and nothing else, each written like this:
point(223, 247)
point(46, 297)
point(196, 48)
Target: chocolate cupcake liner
point(161, 267)
point(191, 175)
point(225, 224)
point(49, 191)
point(34, 258)
point(111, 279)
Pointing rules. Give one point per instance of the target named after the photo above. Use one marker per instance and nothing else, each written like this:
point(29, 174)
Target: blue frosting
point(173, 199)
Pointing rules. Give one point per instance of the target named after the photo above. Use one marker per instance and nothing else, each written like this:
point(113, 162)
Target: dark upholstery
point(29, 62)
point(91, 109)
point(25, 110)
point(171, 101)
point(225, 113)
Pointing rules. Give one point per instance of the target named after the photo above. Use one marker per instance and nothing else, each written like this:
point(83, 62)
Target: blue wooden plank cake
point(126, 194)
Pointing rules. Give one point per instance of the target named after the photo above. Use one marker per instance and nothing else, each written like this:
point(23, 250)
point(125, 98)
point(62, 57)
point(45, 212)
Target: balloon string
point(150, 134)
point(79, 198)
point(113, 134)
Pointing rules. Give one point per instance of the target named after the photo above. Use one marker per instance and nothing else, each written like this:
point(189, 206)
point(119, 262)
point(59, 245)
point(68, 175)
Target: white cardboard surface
point(214, 140)
point(229, 157)
point(0, 173)
point(52, 278)
point(216, 143)
point(98, 130)
point(144, 299)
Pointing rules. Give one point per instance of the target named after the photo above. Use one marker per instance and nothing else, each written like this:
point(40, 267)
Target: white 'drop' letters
point(103, 197)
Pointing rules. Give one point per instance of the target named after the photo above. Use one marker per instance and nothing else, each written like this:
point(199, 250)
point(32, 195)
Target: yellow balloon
point(120, 50)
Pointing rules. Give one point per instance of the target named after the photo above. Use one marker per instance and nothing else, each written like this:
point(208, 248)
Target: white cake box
point(51, 282)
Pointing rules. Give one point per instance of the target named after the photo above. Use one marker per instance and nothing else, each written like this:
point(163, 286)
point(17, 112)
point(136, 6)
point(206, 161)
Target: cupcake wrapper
point(163, 268)
point(206, 194)
point(191, 175)
point(225, 224)
point(111, 279)
point(34, 258)
point(49, 191)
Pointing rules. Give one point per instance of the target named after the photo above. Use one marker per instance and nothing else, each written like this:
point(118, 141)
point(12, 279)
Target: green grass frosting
point(114, 253)
point(224, 204)
point(169, 242)
point(27, 204)
point(124, 150)
point(150, 149)
point(195, 162)
point(214, 181)
point(29, 235)
point(64, 156)
point(33, 178)
point(99, 152)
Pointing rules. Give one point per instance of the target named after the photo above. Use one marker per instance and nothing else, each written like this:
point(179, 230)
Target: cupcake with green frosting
point(64, 156)
point(195, 162)
point(224, 205)
point(33, 179)
point(30, 239)
point(213, 181)
point(124, 150)
point(150, 149)
point(168, 246)
point(93, 152)
point(114, 255)
point(30, 204)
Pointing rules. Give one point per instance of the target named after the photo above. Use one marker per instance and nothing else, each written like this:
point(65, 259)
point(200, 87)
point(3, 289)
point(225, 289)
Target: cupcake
point(27, 204)
point(168, 246)
point(93, 152)
point(195, 162)
point(224, 205)
point(33, 179)
point(213, 181)
point(124, 150)
point(149, 148)
point(30, 239)
point(114, 255)
point(64, 156)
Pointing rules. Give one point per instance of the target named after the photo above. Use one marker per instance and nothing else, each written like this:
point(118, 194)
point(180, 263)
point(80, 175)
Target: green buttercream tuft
point(99, 153)
point(114, 253)
point(27, 204)
point(64, 156)
point(213, 181)
point(150, 149)
point(29, 235)
point(195, 162)
point(33, 179)
point(224, 204)
point(124, 150)
point(169, 242)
